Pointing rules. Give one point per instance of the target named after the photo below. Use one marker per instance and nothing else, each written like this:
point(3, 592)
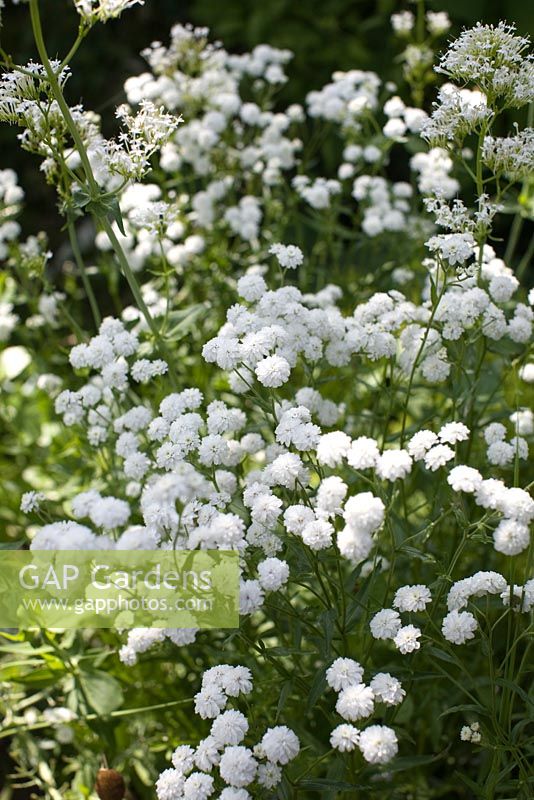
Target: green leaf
point(102, 691)
point(323, 783)
point(317, 688)
point(14, 545)
point(412, 762)
point(182, 321)
point(415, 553)
point(327, 622)
point(114, 210)
point(284, 694)
point(479, 710)
point(478, 790)
point(442, 655)
point(516, 689)
point(34, 676)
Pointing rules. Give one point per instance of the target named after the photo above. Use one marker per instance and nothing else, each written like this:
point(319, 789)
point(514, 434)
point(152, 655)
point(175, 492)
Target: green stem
point(83, 272)
point(94, 189)
point(58, 95)
point(417, 357)
point(515, 231)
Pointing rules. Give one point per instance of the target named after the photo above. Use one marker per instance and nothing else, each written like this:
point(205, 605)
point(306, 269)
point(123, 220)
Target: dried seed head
point(110, 784)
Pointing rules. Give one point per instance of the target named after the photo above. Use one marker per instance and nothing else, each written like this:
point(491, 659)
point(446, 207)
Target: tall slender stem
point(83, 273)
point(94, 189)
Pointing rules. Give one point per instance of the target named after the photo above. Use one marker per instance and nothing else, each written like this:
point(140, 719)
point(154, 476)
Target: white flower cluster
point(142, 639)
point(221, 762)
point(459, 626)
point(318, 193)
point(103, 10)
point(512, 156)
point(511, 536)
point(31, 501)
point(356, 701)
point(145, 132)
point(350, 95)
point(457, 113)
point(434, 449)
point(11, 195)
point(385, 208)
point(269, 337)
point(386, 624)
point(152, 227)
point(495, 59)
point(471, 733)
point(500, 452)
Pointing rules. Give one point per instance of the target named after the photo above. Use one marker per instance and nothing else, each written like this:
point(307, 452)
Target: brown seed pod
point(110, 784)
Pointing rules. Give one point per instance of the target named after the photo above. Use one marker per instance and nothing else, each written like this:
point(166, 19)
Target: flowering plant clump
point(214, 366)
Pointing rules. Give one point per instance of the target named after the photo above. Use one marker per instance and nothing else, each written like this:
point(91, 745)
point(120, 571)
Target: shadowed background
point(324, 35)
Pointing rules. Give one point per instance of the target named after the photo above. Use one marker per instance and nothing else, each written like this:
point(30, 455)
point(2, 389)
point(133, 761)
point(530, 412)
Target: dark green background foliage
point(325, 35)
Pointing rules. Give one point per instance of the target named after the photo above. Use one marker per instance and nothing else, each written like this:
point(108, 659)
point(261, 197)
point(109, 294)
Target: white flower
point(454, 432)
point(515, 503)
point(345, 738)
point(364, 512)
point(209, 702)
point(330, 495)
point(355, 702)
point(198, 786)
point(183, 759)
point(363, 453)
point(109, 512)
point(289, 256)
point(207, 754)
point(385, 624)
point(412, 598)
point(495, 432)
point(511, 537)
point(438, 22)
point(273, 371)
point(355, 544)
point(333, 448)
point(238, 766)
point(170, 785)
point(318, 534)
point(31, 501)
point(280, 744)
point(471, 733)
point(393, 465)
point(387, 689)
point(456, 248)
point(501, 453)
point(378, 744)
point(286, 470)
point(459, 626)
point(229, 728)
point(438, 456)
point(297, 517)
point(231, 793)
point(251, 596)
point(403, 22)
point(251, 287)
point(526, 372)
point(103, 10)
point(407, 639)
point(420, 443)
point(143, 369)
point(269, 775)
point(343, 672)
point(464, 479)
point(273, 574)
